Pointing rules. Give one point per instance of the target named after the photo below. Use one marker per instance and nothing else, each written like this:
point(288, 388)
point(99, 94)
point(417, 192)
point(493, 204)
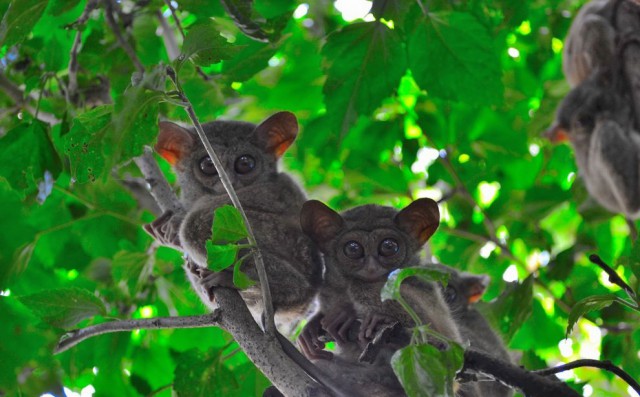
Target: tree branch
point(72, 338)
point(72, 87)
point(606, 365)
point(108, 13)
point(17, 96)
point(530, 383)
point(270, 326)
point(613, 276)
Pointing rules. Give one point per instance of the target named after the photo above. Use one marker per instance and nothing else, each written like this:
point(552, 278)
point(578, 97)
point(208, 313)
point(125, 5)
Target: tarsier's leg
point(615, 159)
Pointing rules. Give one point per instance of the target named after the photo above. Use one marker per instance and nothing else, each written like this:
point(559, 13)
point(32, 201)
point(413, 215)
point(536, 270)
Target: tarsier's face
point(244, 161)
point(370, 241)
point(248, 153)
point(464, 289)
point(371, 255)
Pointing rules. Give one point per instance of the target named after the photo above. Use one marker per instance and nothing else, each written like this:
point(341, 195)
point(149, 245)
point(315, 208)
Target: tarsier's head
point(370, 241)
point(248, 152)
point(581, 107)
point(464, 289)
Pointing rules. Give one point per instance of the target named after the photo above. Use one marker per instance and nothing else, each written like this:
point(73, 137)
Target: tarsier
point(600, 60)
point(271, 200)
point(361, 247)
point(461, 292)
point(597, 117)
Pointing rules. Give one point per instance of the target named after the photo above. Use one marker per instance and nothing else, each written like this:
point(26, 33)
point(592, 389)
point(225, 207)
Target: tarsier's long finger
point(333, 324)
point(310, 349)
point(162, 219)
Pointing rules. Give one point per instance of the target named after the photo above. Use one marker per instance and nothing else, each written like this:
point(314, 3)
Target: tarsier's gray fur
point(598, 113)
point(272, 202)
point(474, 328)
point(343, 291)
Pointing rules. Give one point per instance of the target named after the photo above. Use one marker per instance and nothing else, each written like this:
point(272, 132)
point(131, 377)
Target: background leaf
point(64, 307)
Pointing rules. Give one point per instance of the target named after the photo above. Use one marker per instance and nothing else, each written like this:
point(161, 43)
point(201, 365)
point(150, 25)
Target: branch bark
point(72, 338)
point(606, 365)
point(530, 383)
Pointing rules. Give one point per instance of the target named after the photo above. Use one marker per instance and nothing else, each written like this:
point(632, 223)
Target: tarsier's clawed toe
point(338, 325)
point(370, 325)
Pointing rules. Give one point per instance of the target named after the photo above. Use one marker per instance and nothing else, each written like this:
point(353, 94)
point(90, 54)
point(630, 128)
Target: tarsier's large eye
point(245, 164)
point(207, 167)
point(353, 250)
point(388, 247)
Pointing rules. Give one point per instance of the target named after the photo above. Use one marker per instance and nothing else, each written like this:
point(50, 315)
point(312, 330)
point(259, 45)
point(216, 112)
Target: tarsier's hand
point(208, 280)
point(338, 322)
point(165, 229)
point(309, 340)
point(370, 325)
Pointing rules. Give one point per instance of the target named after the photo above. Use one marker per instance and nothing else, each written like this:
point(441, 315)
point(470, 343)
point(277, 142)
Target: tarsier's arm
point(614, 166)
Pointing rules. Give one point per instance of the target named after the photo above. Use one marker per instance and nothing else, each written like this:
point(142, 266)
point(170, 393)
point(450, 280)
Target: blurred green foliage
point(444, 99)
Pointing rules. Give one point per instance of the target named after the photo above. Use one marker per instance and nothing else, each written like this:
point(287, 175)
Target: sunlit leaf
point(32, 154)
point(220, 256)
point(228, 225)
point(587, 305)
point(19, 19)
point(391, 289)
point(205, 46)
point(452, 56)
point(365, 62)
point(424, 370)
point(64, 308)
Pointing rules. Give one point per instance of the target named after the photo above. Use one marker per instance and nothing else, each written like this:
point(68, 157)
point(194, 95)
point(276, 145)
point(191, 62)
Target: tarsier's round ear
point(173, 142)
point(419, 219)
point(474, 286)
point(320, 222)
point(277, 133)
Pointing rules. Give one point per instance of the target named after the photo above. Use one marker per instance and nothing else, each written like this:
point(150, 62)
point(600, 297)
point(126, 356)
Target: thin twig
point(113, 25)
point(72, 87)
point(74, 337)
point(530, 383)
point(163, 22)
point(167, 36)
point(17, 96)
point(613, 276)
point(606, 365)
point(270, 327)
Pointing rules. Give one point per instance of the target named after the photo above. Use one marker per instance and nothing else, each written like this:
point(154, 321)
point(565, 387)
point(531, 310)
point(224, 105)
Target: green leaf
point(83, 144)
point(240, 279)
point(452, 56)
point(252, 58)
point(31, 153)
point(205, 46)
point(19, 20)
point(228, 225)
point(633, 261)
point(59, 7)
point(64, 308)
point(391, 289)
point(220, 256)
point(242, 13)
point(365, 64)
point(423, 370)
point(589, 304)
point(511, 309)
point(198, 374)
